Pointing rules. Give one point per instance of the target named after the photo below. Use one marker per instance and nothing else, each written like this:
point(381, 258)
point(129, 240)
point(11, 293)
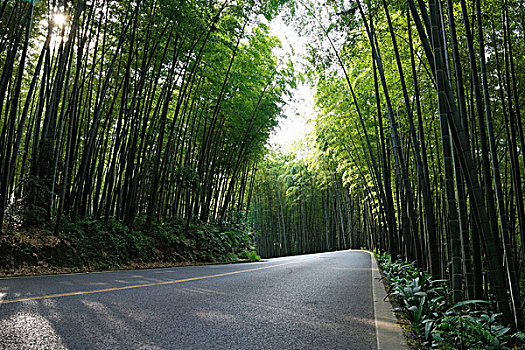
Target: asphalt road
point(319, 301)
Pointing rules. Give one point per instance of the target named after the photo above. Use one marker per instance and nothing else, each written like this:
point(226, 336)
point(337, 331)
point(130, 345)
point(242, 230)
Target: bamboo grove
point(301, 209)
point(147, 109)
point(153, 109)
point(418, 143)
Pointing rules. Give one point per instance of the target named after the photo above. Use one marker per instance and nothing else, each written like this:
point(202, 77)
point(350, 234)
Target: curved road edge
point(389, 335)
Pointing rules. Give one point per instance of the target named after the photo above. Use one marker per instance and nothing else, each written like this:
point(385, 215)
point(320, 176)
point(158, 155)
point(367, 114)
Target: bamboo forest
point(154, 117)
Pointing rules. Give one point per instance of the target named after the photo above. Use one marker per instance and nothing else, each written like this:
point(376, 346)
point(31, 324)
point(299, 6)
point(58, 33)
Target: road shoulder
point(389, 335)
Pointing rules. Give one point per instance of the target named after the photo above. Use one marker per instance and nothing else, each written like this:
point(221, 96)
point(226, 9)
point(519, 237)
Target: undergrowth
point(98, 244)
point(435, 322)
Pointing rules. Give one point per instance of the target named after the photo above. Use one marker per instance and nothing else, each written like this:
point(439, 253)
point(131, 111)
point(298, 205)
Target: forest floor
point(105, 246)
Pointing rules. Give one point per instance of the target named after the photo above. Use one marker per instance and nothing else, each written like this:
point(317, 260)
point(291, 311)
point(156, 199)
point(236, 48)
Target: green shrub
point(249, 255)
point(438, 324)
point(102, 243)
point(106, 243)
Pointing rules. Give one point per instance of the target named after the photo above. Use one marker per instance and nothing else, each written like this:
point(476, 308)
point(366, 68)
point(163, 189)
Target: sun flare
point(59, 19)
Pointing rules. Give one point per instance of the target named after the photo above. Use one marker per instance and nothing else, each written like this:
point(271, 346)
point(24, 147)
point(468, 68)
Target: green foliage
point(96, 244)
point(438, 324)
point(475, 330)
point(106, 244)
point(187, 177)
point(214, 241)
point(33, 209)
point(302, 206)
point(249, 255)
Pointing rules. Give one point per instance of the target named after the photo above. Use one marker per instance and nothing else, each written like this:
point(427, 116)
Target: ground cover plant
point(436, 322)
point(99, 244)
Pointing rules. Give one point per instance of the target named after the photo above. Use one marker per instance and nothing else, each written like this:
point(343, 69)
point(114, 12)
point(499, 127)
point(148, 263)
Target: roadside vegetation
point(94, 244)
point(435, 321)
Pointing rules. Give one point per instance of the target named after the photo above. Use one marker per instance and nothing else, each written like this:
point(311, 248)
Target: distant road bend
point(317, 301)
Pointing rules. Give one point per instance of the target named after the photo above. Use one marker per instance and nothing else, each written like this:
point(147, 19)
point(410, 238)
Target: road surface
point(318, 301)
